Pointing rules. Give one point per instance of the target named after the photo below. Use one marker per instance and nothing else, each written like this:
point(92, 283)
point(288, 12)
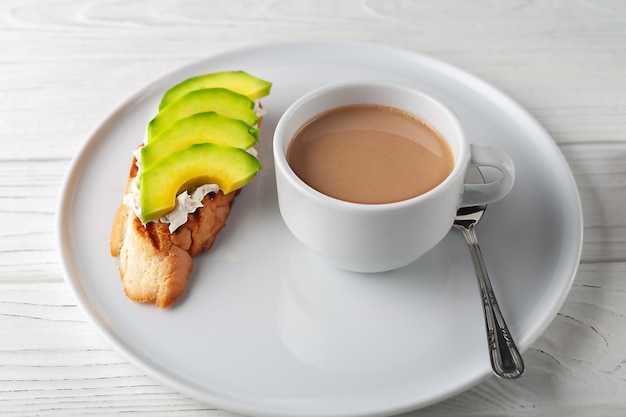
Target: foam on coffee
point(370, 154)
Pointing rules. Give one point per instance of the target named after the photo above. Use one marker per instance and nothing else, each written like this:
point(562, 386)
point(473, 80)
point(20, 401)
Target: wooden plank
point(53, 362)
point(55, 92)
point(28, 198)
point(600, 173)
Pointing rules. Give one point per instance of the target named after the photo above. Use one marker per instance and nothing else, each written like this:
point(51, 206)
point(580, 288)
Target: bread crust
point(155, 264)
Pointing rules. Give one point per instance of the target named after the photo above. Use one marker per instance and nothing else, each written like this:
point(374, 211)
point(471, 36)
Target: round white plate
point(268, 329)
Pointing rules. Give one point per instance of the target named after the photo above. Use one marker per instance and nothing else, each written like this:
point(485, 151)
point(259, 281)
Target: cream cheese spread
point(186, 204)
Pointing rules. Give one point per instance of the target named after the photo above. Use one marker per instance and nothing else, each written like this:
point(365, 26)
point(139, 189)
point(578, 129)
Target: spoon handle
point(506, 360)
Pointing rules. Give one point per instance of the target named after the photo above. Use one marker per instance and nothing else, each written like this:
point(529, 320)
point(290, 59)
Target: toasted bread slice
point(155, 264)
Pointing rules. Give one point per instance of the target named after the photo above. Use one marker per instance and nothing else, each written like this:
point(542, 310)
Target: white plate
point(265, 327)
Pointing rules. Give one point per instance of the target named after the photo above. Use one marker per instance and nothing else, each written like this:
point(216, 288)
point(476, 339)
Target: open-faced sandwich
point(197, 155)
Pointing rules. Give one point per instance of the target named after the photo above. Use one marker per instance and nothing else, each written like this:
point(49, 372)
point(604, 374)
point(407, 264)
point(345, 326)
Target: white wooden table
point(65, 64)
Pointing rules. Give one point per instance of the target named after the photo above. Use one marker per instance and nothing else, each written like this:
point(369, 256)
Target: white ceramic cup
point(381, 237)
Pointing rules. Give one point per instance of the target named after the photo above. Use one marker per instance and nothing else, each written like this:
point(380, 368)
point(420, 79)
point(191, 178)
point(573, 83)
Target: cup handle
point(477, 194)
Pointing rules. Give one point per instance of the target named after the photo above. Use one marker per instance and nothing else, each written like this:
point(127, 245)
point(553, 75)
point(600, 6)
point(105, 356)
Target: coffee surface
point(370, 154)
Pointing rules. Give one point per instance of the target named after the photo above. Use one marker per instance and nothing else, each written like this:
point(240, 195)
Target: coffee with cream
point(370, 154)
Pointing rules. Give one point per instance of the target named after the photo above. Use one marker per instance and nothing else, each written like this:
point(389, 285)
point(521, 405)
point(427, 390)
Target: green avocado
point(198, 128)
point(205, 163)
point(220, 100)
point(238, 81)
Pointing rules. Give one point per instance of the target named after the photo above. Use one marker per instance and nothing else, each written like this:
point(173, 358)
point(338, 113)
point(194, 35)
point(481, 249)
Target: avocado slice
point(220, 100)
point(205, 163)
point(238, 81)
point(198, 128)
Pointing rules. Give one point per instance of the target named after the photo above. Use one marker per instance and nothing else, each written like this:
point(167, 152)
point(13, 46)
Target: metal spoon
point(506, 360)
